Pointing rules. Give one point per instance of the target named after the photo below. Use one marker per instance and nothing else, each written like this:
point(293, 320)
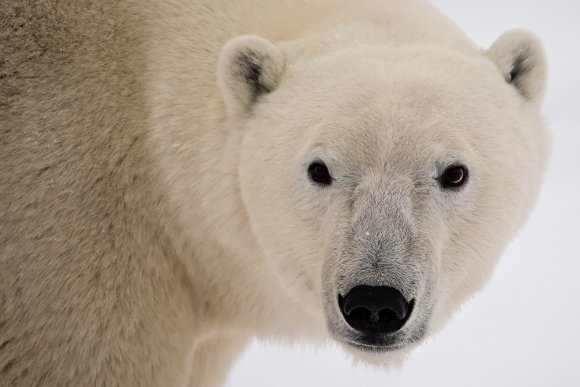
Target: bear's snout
point(375, 309)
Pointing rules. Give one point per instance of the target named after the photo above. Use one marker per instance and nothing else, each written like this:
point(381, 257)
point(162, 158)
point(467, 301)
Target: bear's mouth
point(381, 343)
point(375, 348)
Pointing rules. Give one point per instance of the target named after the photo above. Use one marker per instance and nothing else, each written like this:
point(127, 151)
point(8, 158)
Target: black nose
point(375, 309)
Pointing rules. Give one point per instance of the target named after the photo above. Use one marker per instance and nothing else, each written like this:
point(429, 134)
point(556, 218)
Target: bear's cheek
point(285, 230)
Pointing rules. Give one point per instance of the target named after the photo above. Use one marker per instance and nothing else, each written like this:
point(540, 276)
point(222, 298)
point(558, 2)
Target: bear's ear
point(248, 66)
point(520, 58)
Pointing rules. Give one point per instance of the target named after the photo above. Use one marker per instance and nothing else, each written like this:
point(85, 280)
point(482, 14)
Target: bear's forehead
point(364, 63)
point(408, 108)
point(395, 84)
point(386, 126)
point(379, 143)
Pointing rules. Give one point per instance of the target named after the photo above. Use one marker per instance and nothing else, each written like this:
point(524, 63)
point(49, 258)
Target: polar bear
point(178, 177)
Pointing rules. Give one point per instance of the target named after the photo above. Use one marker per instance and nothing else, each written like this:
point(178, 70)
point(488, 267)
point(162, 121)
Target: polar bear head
point(382, 183)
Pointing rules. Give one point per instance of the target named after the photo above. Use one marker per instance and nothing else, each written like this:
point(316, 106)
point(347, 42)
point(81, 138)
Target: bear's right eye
point(319, 174)
point(454, 177)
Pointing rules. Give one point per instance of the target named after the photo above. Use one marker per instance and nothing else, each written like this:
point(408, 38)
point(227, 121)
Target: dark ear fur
point(519, 56)
point(248, 67)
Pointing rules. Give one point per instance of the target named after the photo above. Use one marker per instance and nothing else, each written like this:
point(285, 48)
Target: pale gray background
point(523, 329)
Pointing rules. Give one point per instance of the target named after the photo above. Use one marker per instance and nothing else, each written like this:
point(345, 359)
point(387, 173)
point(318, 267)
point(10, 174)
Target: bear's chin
point(389, 359)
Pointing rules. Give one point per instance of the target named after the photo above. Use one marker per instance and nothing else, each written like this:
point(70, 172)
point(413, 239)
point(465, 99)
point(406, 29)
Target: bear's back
point(65, 128)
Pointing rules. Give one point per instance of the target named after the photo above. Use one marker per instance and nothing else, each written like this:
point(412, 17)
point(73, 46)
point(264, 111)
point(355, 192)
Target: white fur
point(188, 224)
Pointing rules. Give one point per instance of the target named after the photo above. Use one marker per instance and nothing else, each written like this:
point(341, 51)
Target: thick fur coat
point(156, 211)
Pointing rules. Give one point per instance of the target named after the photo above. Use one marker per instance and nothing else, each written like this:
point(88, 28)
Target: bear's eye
point(319, 173)
point(454, 177)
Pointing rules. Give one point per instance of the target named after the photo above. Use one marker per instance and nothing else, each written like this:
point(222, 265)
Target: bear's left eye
point(318, 173)
point(454, 176)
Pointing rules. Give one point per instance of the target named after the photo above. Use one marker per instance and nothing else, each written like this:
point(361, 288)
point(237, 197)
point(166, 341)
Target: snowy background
point(523, 329)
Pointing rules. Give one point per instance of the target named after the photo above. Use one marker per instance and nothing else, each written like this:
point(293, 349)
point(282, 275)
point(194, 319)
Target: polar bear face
point(382, 183)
